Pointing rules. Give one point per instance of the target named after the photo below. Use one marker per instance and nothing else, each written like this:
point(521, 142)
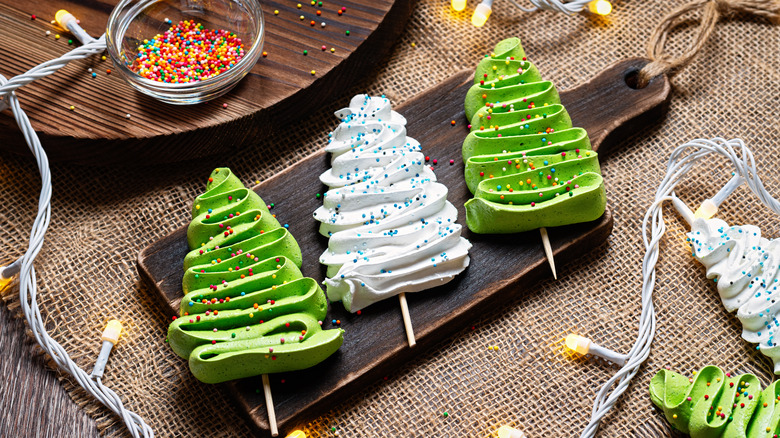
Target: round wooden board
point(279, 89)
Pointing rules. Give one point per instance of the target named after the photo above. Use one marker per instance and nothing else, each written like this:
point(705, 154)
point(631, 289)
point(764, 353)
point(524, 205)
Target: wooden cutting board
point(502, 266)
point(279, 88)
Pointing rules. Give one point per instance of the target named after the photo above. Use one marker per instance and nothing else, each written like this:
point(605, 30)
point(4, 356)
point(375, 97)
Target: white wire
point(569, 8)
point(28, 289)
point(682, 160)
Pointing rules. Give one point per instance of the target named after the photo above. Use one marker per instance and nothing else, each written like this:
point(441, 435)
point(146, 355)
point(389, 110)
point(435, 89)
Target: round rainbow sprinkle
point(187, 52)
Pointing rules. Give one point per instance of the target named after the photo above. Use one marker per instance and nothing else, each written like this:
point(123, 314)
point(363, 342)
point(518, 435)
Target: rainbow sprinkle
point(187, 52)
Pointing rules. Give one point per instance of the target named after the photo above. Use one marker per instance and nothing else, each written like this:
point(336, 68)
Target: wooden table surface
point(33, 403)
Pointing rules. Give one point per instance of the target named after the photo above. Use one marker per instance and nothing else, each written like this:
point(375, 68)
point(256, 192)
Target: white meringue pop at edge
point(746, 268)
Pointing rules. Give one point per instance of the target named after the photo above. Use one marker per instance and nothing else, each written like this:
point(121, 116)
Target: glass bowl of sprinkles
point(185, 51)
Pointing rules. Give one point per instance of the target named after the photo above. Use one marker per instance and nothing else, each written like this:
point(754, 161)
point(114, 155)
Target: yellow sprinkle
point(251, 315)
point(299, 6)
point(103, 57)
point(414, 44)
point(674, 416)
point(276, 12)
point(71, 107)
point(313, 72)
point(197, 207)
point(332, 50)
point(273, 276)
point(56, 37)
point(301, 17)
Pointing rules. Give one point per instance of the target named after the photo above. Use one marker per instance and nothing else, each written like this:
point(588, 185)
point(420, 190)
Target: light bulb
point(297, 434)
point(578, 343)
point(112, 332)
point(509, 432)
point(707, 210)
point(4, 282)
point(481, 14)
point(109, 337)
point(459, 5)
point(600, 7)
point(63, 18)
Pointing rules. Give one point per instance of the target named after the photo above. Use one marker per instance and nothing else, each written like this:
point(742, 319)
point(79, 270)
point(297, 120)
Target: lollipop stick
point(269, 404)
point(548, 250)
point(407, 319)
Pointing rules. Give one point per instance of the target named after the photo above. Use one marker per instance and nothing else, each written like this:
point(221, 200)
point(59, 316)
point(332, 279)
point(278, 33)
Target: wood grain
point(33, 404)
point(280, 88)
point(502, 266)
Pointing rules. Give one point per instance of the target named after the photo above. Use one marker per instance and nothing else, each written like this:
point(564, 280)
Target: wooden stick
point(269, 404)
point(548, 250)
point(407, 320)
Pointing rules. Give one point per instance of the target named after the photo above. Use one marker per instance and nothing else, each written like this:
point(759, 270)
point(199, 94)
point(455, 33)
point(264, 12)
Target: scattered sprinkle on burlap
point(103, 217)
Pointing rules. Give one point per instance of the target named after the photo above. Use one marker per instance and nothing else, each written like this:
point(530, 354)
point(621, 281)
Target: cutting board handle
point(629, 110)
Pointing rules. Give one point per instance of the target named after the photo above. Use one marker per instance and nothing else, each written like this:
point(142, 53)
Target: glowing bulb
point(459, 5)
point(112, 331)
point(706, 210)
point(601, 7)
point(481, 14)
point(297, 434)
point(508, 432)
point(63, 17)
point(4, 282)
point(578, 343)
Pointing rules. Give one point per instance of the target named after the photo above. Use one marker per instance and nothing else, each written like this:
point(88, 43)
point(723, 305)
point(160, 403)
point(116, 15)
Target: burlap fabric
point(102, 218)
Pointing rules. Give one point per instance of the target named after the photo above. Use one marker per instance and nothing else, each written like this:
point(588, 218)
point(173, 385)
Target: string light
point(9, 273)
point(600, 7)
point(709, 207)
point(67, 21)
point(509, 432)
point(582, 345)
point(458, 5)
point(23, 267)
point(482, 13)
point(110, 337)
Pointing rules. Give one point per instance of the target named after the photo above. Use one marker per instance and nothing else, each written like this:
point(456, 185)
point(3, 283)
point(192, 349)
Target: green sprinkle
point(446, 414)
point(347, 32)
point(232, 335)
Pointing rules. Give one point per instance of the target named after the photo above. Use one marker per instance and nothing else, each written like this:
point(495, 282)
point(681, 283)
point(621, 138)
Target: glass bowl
point(133, 21)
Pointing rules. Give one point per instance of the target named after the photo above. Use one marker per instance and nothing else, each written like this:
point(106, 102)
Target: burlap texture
point(103, 217)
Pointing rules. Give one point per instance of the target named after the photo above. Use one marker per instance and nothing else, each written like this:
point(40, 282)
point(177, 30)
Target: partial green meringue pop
point(525, 164)
point(247, 309)
point(713, 404)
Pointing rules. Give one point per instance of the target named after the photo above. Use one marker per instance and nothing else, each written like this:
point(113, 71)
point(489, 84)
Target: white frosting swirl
point(745, 267)
point(391, 228)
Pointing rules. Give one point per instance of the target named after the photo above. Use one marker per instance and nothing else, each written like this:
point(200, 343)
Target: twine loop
point(712, 11)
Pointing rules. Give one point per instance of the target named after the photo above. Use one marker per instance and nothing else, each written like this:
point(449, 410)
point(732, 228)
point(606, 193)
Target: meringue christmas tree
point(717, 404)
point(745, 266)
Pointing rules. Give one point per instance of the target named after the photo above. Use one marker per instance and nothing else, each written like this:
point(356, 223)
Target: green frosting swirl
point(525, 164)
point(247, 309)
point(716, 405)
